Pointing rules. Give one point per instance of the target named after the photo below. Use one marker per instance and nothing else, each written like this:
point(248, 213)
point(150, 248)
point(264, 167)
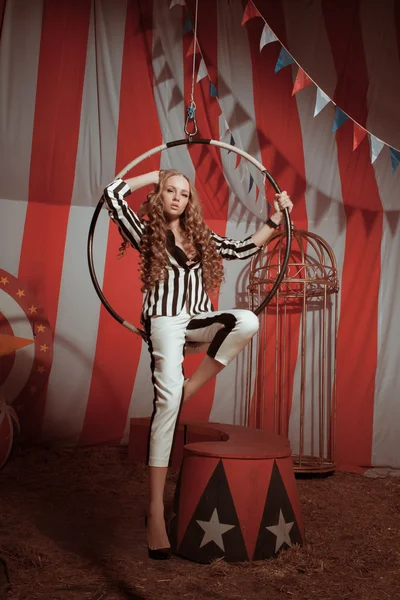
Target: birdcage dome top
point(311, 270)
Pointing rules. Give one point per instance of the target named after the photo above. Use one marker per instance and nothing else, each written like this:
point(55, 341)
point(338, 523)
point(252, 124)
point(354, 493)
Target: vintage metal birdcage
point(291, 375)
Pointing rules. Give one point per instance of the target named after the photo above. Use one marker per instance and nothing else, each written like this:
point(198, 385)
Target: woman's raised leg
point(228, 332)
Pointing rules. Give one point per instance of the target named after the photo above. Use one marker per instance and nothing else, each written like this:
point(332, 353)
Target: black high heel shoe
point(158, 553)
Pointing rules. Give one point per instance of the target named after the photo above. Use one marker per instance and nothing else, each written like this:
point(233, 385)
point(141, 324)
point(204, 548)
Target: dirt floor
point(71, 528)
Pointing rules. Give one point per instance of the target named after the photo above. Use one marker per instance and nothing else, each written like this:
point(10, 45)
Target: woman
point(180, 265)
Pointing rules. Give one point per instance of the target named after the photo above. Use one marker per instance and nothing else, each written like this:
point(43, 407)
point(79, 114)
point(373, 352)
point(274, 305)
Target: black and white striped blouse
point(183, 282)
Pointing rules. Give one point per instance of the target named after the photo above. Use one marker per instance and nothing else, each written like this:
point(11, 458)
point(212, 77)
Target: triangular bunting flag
point(232, 143)
point(340, 118)
point(284, 59)
point(251, 182)
point(376, 147)
point(301, 82)
point(177, 3)
point(250, 12)
point(190, 51)
point(165, 74)
point(358, 135)
point(213, 90)
point(321, 101)
point(395, 157)
point(224, 128)
point(202, 72)
point(238, 158)
point(188, 25)
point(267, 36)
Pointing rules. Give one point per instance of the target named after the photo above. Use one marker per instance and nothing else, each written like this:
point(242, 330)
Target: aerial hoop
point(143, 157)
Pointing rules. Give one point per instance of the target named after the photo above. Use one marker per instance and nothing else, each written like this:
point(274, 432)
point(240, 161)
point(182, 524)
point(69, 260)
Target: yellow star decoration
point(44, 348)
point(4, 280)
point(40, 369)
point(32, 389)
point(33, 309)
point(40, 328)
point(21, 293)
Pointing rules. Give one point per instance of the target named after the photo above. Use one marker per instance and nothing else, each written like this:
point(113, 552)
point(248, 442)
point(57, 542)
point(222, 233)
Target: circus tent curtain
point(87, 86)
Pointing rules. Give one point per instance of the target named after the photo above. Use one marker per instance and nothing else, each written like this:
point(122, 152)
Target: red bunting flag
point(250, 12)
point(302, 81)
point(358, 135)
point(190, 51)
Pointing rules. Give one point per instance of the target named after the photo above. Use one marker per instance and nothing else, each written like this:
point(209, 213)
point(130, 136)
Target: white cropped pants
point(224, 333)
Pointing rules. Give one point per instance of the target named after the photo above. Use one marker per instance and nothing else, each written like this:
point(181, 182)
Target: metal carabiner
point(191, 116)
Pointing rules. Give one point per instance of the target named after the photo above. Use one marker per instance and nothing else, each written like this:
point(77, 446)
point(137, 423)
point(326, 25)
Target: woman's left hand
point(281, 202)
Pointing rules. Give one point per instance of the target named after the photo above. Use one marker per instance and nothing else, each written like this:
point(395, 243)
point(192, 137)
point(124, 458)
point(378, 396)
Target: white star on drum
point(281, 530)
point(214, 530)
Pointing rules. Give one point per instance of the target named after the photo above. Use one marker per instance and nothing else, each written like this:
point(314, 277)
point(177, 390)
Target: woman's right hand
point(150, 178)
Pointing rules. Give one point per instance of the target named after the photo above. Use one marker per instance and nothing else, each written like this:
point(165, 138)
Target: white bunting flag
point(376, 147)
point(321, 101)
point(267, 36)
point(202, 72)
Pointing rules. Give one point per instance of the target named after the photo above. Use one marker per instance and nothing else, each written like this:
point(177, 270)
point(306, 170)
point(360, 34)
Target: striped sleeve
point(234, 249)
point(129, 224)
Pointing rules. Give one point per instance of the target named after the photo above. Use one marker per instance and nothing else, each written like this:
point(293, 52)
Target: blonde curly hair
point(153, 249)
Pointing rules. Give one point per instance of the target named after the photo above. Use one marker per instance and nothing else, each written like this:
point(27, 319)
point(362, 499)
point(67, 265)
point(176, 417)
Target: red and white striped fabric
point(87, 86)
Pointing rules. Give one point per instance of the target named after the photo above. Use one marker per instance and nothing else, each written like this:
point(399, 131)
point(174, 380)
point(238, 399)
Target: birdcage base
point(312, 464)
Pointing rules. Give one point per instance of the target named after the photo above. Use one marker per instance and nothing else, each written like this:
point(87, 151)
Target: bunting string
point(302, 81)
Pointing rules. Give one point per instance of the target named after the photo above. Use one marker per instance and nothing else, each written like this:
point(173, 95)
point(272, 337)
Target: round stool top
point(235, 441)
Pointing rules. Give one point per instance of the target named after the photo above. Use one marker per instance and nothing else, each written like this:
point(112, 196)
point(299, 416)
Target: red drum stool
point(236, 498)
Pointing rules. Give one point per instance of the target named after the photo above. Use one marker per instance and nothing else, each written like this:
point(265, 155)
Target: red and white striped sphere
point(9, 431)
